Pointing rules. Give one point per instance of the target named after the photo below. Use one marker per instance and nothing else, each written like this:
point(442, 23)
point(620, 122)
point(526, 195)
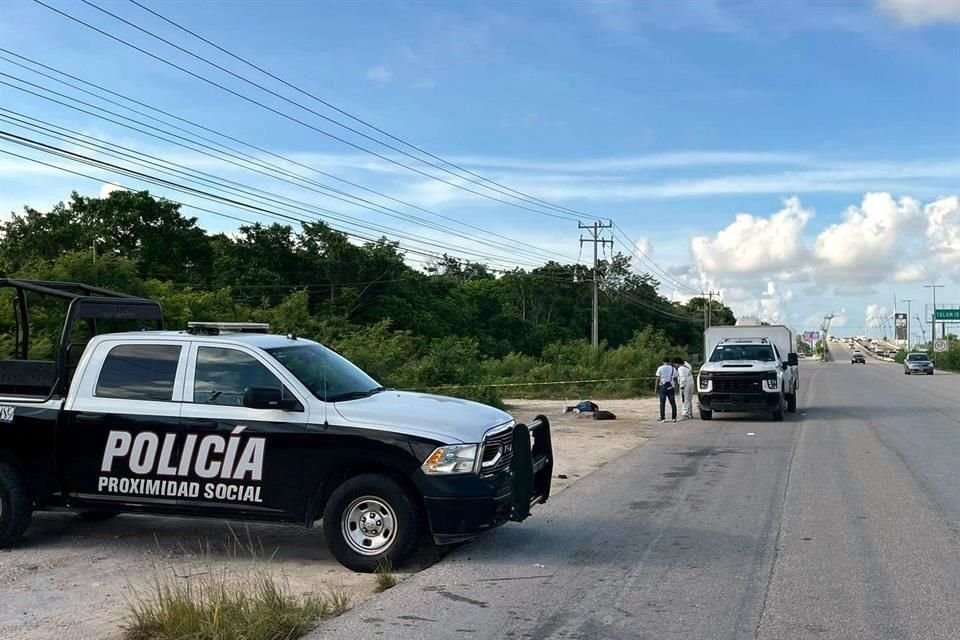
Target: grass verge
point(218, 605)
point(385, 577)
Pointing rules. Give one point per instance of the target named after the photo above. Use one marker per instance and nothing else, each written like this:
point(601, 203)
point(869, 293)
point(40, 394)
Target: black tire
point(391, 496)
point(792, 403)
point(778, 413)
point(906, 373)
point(706, 414)
point(16, 508)
point(929, 373)
point(96, 516)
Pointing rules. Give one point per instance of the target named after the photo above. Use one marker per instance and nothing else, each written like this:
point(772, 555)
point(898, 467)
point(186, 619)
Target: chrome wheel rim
point(369, 525)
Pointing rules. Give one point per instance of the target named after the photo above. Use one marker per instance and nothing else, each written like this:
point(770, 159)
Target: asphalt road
point(843, 522)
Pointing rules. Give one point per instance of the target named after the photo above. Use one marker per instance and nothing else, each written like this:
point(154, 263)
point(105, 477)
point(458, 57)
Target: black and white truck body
point(228, 421)
point(750, 367)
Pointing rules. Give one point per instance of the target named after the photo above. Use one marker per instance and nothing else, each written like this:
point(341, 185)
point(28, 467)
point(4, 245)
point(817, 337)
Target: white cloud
point(107, 188)
point(918, 13)
point(911, 273)
point(815, 320)
point(753, 244)
point(943, 234)
point(644, 246)
point(769, 306)
point(943, 227)
point(379, 74)
point(876, 315)
point(862, 246)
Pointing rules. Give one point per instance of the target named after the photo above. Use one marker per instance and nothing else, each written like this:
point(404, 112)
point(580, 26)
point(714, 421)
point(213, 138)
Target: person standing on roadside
point(666, 383)
point(685, 381)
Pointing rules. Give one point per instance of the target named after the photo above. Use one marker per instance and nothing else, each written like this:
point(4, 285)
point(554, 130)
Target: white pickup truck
point(751, 368)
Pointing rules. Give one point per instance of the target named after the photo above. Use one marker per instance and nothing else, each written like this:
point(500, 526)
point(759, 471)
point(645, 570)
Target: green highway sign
point(946, 314)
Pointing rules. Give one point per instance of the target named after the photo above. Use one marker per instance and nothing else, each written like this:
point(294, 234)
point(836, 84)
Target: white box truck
point(750, 367)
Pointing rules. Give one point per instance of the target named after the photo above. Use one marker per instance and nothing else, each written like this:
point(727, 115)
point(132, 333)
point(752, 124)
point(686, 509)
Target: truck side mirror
point(792, 360)
point(268, 398)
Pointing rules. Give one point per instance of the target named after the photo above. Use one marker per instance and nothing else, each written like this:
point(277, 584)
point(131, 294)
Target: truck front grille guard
point(531, 467)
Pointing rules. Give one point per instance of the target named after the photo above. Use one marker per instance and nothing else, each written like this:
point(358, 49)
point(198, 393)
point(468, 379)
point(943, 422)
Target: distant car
point(917, 363)
point(857, 358)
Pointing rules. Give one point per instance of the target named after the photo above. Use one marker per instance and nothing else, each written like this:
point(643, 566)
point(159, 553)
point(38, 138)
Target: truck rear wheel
point(371, 521)
point(15, 507)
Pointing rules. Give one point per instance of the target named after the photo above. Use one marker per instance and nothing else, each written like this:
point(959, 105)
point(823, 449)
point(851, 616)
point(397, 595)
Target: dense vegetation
point(453, 323)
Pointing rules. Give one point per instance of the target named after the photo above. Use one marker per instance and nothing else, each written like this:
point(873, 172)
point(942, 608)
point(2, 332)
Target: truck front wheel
point(371, 521)
point(792, 403)
point(15, 507)
point(706, 414)
point(778, 412)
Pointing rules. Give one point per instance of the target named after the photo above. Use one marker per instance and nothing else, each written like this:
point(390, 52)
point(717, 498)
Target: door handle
point(202, 425)
point(90, 417)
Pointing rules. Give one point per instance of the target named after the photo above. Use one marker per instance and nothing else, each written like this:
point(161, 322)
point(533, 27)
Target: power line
point(348, 114)
point(246, 159)
point(663, 312)
point(199, 193)
point(277, 111)
point(233, 187)
point(367, 239)
point(671, 281)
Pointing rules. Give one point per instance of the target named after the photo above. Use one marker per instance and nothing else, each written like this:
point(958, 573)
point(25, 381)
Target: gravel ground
point(73, 579)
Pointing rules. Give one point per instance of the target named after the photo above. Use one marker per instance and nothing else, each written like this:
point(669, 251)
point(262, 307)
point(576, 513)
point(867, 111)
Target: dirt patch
point(581, 444)
point(72, 578)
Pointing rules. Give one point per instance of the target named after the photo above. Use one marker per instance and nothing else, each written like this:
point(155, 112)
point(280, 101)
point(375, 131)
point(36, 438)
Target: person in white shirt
point(685, 382)
point(666, 383)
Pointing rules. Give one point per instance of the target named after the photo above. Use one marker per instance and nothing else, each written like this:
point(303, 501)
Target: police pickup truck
point(225, 420)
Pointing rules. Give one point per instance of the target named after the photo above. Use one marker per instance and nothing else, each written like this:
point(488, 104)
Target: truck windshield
point(328, 376)
point(761, 352)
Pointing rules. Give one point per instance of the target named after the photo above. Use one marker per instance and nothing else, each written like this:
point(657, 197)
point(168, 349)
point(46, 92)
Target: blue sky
point(670, 117)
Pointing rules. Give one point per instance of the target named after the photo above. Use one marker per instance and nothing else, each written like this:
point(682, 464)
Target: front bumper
point(461, 507)
point(746, 402)
point(920, 369)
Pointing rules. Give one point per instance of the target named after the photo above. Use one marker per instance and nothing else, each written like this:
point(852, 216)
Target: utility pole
point(908, 301)
point(933, 316)
point(595, 238)
point(710, 295)
point(824, 330)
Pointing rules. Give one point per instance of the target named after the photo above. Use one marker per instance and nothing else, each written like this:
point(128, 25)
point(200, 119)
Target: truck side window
point(139, 372)
point(223, 375)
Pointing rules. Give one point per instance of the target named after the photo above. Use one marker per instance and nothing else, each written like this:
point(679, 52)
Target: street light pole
point(908, 301)
point(933, 316)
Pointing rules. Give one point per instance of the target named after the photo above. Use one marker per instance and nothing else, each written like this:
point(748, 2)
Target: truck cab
point(226, 420)
point(748, 374)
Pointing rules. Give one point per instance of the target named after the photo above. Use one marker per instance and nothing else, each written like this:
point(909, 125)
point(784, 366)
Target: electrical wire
point(231, 186)
point(343, 112)
point(282, 114)
point(192, 191)
point(671, 281)
point(372, 206)
point(238, 155)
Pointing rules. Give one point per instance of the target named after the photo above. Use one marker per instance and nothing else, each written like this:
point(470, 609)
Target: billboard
point(811, 337)
point(900, 325)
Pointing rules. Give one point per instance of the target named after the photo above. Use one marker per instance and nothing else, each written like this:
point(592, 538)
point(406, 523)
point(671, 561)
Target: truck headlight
point(772, 381)
point(704, 381)
point(454, 458)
